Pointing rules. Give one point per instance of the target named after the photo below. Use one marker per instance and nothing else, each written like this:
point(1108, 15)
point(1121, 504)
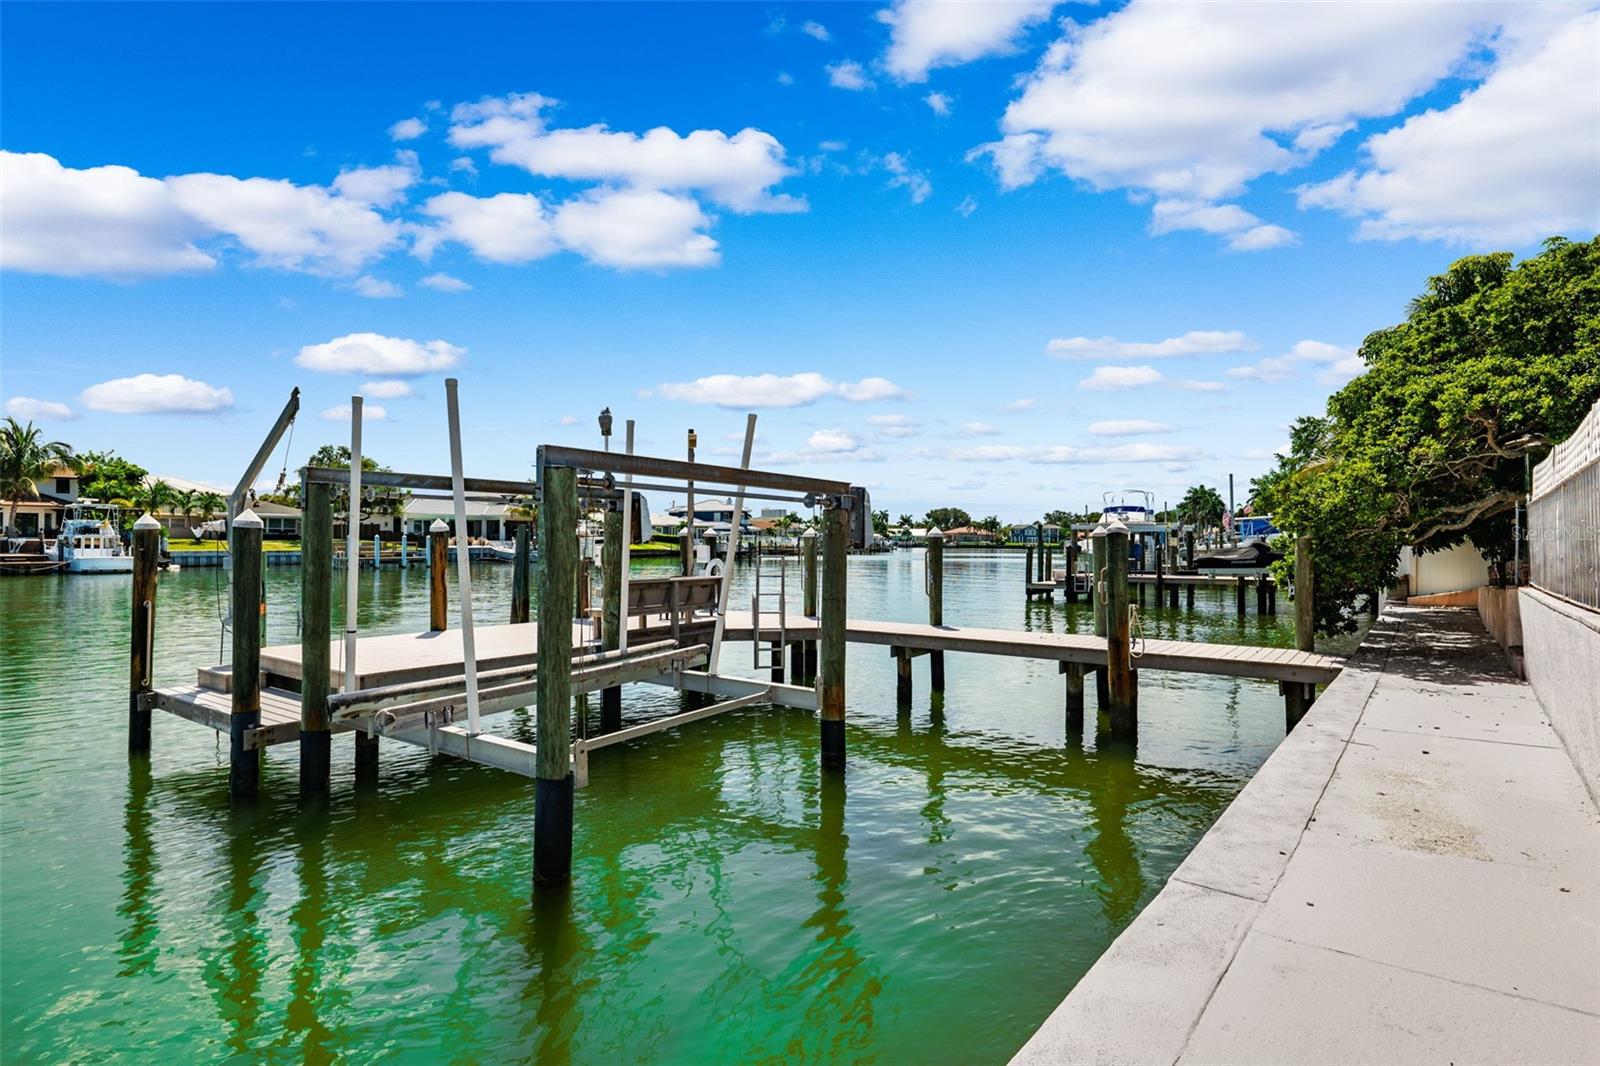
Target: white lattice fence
point(1564, 517)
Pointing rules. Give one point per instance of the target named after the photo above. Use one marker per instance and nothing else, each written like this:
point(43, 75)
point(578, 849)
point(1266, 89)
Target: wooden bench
point(676, 599)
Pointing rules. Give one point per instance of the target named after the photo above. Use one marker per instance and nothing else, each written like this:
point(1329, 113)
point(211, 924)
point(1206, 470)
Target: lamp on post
point(605, 426)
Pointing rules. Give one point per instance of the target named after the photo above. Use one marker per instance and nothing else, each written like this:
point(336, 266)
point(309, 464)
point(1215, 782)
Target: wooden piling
point(244, 766)
point(1072, 570)
point(1239, 594)
point(934, 561)
point(1299, 696)
point(1188, 596)
point(1261, 595)
point(1074, 677)
point(1172, 568)
point(438, 559)
point(1097, 548)
point(1122, 711)
point(552, 825)
point(142, 633)
point(520, 577)
point(1188, 552)
point(1038, 542)
point(902, 676)
point(835, 548)
point(1161, 576)
point(1027, 573)
point(316, 630)
point(611, 614)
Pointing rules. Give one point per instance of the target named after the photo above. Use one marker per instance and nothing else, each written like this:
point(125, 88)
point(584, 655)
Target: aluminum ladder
point(765, 597)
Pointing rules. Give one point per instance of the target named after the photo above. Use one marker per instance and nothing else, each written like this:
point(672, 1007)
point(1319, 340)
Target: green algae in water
point(728, 903)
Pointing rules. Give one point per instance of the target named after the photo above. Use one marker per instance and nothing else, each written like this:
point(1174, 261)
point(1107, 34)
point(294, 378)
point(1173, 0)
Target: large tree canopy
point(1493, 364)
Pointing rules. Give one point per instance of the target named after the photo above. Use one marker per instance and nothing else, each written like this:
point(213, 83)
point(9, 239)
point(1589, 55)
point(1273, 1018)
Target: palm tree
point(186, 501)
point(906, 522)
point(156, 495)
point(25, 460)
point(1202, 506)
point(209, 503)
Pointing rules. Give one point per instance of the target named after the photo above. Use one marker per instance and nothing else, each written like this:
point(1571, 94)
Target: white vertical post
point(627, 544)
point(352, 551)
point(405, 545)
point(463, 556)
point(377, 552)
point(733, 549)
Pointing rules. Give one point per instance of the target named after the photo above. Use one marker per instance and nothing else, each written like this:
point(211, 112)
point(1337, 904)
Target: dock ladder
point(773, 567)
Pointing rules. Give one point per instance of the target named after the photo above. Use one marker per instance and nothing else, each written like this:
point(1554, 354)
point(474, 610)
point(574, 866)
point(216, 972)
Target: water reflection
point(140, 869)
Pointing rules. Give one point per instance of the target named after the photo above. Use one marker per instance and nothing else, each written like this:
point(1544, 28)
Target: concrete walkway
point(1413, 876)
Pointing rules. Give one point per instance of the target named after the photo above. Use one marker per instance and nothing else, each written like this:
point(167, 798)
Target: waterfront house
point(1027, 533)
point(41, 515)
point(970, 536)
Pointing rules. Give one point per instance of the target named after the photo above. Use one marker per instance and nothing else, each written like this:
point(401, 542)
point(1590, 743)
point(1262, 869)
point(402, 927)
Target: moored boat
point(89, 542)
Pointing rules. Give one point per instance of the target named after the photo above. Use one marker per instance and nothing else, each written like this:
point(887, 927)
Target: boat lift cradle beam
point(257, 464)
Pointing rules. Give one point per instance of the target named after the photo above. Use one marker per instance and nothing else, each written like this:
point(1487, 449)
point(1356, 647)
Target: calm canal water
point(726, 904)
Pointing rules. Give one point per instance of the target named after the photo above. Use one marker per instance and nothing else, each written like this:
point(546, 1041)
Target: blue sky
point(1003, 256)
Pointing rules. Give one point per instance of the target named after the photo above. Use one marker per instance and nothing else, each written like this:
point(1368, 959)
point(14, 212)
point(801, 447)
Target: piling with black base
point(835, 548)
point(1122, 711)
point(935, 564)
point(611, 614)
point(142, 640)
point(552, 823)
point(519, 577)
point(316, 630)
point(244, 765)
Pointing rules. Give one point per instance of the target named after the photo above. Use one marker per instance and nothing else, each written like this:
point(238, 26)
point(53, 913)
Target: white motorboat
point(89, 542)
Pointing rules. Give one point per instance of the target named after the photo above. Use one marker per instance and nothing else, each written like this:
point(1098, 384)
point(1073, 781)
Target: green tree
point(185, 502)
point(1059, 518)
point(1493, 364)
point(26, 458)
point(906, 521)
point(989, 522)
point(1202, 507)
point(880, 523)
point(155, 496)
point(374, 500)
point(947, 518)
point(109, 477)
point(210, 505)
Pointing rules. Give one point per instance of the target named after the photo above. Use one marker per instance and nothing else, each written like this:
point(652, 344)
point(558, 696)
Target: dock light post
point(605, 427)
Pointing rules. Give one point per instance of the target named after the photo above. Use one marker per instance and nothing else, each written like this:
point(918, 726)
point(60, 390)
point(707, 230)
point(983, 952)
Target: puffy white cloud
point(902, 176)
point(511, 227)
point(156, 394)
point(938, 103)
point(373, 353)
point(1513, 161)
point(288, 226)
point(737, 172)
point(379, 186)
point(1339, 363)
point(370, 412)
point(1191, 101)
point(387, 390)
point(29, 409)
point(815, 30)
point(444, 283)
point(1019, 406)
point(772, 390)
point(408, 129)
point(832, 440)
point(1127, 427)
point(636, 228)
point(108, 221)
point(376, 288)
point(1245, 232)
point(1194, 342)
point(1109, 378)
point(941, 33)
point(848, 74)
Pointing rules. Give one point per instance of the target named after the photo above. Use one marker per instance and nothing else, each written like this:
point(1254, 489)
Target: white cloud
point(902, 176)
point(1129, 427)
point(1108, 378)
point(637, 228)
point(408, 129)
point(848, 74)
point(508, 228)
point(1018, 406)
point(771, 390)
point(941, 33)
point(464, 165)
point(895, 426)
point(1514, 161)
point(814, 30)
point(28, 409)
point(785, 78)
point(376, 288)
point(1245, 232)
point(1194, 342)
point(444, 283)
point(737, 172)
point(1339, 363)
point(109, 221)
point(832, 440)
point(387, 390)
point(1263, 88)
point(156, 394)
point(382, 186)
point(373, 353)
point(966, 207)
point(939, 103)
point(288, 226)
point(978, 429)
point(370, 412)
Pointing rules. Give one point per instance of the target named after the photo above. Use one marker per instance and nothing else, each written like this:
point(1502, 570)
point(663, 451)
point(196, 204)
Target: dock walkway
point(1413, 876)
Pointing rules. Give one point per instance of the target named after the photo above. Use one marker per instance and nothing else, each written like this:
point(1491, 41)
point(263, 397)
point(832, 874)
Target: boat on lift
point(89, 543)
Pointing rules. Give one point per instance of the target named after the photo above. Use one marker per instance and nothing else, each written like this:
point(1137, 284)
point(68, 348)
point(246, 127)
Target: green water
point(727, 904)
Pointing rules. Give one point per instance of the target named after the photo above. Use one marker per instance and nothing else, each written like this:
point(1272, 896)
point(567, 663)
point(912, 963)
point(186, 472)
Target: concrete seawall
point(1414, 875)
point(1561, 646)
